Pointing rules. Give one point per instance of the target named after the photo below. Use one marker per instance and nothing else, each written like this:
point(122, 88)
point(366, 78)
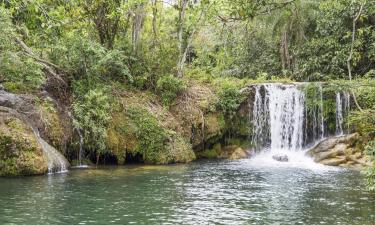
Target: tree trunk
point(284, 51)
point(349, 60)
point(137, 26)
point(181, 21)
point(154, 21)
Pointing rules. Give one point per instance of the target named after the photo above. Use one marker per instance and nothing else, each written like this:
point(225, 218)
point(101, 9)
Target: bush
point(370, 173)
point(151, 136)
point(92, 115)
point(20, 73)
point(230, 99)
point(113, 65)
point(169, 87)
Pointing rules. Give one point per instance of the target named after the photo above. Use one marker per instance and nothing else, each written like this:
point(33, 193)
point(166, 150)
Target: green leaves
point(169, 87)
point(92, 115)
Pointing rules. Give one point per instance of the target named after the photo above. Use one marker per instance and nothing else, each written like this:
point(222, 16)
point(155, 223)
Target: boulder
point(20, 152)
point(280, 158)
point(339, 151)
point(233, 152)
point(238, 153)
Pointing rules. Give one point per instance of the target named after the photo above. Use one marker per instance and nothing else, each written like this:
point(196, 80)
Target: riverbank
point(207, 119)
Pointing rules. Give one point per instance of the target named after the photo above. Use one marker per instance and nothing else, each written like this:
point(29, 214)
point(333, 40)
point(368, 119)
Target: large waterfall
point(283, 121)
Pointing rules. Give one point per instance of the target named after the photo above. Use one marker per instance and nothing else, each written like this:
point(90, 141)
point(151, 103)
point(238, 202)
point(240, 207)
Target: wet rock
point(281, 158)
point(233, 152)
point(334, 161)
point(238, 153)
point(339, 151)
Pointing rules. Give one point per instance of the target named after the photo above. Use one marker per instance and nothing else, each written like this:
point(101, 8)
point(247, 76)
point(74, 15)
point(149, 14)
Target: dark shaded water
point(206, 192)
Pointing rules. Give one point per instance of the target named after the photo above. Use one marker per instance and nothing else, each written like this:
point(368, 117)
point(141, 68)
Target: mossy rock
point(137, 132)
point(20, 152)
point(54, 128)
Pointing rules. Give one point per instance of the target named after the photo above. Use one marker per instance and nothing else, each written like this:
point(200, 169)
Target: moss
point(121, 136)
point(20, 153)
point(138, 132)
point(54, 127)
point(212, 153)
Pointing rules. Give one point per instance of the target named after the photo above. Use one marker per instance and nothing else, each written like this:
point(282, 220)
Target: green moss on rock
point(20, 153)
point(138, 132)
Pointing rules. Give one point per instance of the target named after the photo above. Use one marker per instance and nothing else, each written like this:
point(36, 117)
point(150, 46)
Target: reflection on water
point(206, 192)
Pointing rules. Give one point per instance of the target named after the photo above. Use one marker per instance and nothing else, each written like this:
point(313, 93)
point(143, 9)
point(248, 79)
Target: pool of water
point(203, 192)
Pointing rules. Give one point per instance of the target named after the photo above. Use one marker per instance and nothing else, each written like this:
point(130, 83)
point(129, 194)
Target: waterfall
point(286, 107)
point(56, 162)
point(342, 110)
point(282, 120)
point(278, 117)
point(260, 120)
point(339, 114)
point(321, 111)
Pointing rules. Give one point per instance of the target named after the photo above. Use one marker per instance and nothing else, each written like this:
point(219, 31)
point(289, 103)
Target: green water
point(206, 192)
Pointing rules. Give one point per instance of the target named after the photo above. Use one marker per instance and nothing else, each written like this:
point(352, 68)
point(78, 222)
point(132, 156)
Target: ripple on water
point(206, 192)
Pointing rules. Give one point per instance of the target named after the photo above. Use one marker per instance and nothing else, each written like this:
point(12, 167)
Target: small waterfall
point(339, 114)
point(321, 111)
point(80, 153)
point(260, 119)
point(342, 111)
point(55, 160)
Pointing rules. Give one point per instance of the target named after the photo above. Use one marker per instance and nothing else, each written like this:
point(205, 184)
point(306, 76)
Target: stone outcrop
point(233, 152)
point(22, 150)
point(281, 158)
point(339, 151)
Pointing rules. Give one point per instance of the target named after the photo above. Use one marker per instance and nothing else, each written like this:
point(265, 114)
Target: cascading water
point(285, 121)
point(339, 115)
point(342, 109)
point(321, 105)
point(55, 160)
point(286, 109)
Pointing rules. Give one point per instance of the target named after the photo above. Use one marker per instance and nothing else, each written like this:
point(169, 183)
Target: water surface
point(204, 192)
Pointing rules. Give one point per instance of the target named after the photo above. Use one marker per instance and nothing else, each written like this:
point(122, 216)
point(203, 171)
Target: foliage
point(20, 73)
point(370, 173)
point(152, 137)
point(230, 99)
point(112, 65)
point(169, 88)
point(92, 115)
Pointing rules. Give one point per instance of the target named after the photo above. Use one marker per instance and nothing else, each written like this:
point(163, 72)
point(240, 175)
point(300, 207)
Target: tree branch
point(48, 66)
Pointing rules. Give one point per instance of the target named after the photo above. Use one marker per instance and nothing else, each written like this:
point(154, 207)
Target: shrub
point(230, 99)
point(151, 136)
point(370, 173)
point(113, 65)
point(92, 115)
point(20, 73)
point(169, 87)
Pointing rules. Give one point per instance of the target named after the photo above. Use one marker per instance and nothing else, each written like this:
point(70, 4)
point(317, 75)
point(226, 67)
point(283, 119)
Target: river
point(248, 191)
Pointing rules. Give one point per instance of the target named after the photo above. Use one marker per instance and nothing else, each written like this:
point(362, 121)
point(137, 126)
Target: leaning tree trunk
point(349, 60)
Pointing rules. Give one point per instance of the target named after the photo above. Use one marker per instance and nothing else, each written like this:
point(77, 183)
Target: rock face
point(339, 151)
point(281, 158)
point(22, 150)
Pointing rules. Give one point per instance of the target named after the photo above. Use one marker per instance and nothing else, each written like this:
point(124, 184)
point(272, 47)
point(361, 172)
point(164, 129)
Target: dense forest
point(119, 69)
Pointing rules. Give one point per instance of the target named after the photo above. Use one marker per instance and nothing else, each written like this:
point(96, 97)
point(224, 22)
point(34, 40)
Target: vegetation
point(189, 59)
